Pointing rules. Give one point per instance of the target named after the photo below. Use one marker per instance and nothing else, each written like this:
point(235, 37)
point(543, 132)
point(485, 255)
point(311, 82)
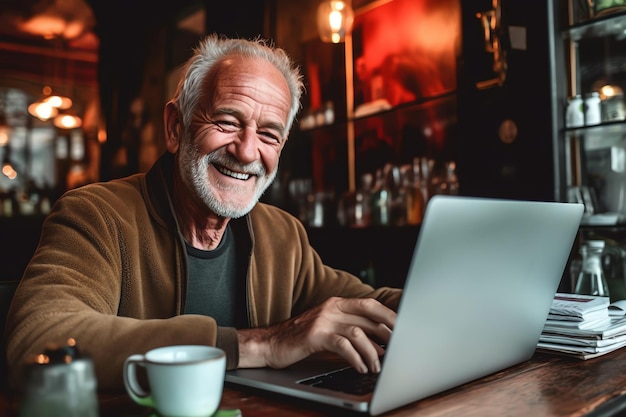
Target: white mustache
point(230, 167)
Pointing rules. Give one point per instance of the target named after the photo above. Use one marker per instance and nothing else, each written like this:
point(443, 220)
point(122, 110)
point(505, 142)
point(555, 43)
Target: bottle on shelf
point(447, 182)
point(423, 172)
point(591, 278)
point(299, 189)
point(320, 209)
point(413, 197)
point(592, 108)
point(394, 181)
point(354, 206)
point(380, 200)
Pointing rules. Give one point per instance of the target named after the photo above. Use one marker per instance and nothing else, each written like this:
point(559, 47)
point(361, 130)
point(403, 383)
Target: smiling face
point(229, 154)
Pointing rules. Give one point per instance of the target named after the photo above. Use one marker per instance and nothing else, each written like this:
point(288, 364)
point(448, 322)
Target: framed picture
point(404, 51)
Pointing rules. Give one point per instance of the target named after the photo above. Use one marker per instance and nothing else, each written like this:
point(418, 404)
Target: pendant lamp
point(334, 20)
point(53, 105)
point(67, 120)
point(42, 110)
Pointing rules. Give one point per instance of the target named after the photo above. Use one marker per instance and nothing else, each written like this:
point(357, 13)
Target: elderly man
point(185, 253)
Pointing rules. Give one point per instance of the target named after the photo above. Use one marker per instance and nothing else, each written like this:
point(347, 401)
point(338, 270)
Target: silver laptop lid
point(478, 291)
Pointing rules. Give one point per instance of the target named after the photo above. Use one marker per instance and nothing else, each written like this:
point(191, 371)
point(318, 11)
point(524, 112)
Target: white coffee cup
point(185, 380)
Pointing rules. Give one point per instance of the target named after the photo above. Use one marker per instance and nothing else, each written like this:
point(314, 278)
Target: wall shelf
point(609, 24)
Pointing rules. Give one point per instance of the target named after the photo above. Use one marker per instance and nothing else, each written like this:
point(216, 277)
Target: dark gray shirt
point(212, 288)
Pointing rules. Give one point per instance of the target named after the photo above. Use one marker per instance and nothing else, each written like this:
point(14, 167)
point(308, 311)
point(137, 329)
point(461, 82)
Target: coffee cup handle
point(136, 392)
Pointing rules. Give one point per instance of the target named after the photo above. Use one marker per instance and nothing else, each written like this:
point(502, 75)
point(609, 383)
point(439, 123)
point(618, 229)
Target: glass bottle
point(591, 279)
point(413, 197)
point(354, 206)
point(394, 181)
point(592, 108)
point(380, 201)
point(451, 178)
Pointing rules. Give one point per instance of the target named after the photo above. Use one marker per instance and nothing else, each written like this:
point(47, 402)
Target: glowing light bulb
point(334, 20)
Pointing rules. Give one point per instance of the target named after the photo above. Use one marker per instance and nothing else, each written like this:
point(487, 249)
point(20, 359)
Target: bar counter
point(544, 386)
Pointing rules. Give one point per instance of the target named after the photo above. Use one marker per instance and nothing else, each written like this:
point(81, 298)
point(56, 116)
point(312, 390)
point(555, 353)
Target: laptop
point(479, 287)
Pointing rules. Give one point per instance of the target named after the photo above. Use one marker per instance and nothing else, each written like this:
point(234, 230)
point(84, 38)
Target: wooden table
point(546, 385)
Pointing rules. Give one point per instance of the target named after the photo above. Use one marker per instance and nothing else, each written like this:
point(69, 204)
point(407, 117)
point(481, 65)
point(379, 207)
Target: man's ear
point(173, 127)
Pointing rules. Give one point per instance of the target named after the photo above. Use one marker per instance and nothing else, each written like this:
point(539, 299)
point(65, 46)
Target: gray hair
point(212, 49)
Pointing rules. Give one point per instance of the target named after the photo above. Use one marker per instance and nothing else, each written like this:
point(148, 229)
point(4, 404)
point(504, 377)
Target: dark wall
point(487, 166)
point(125, 30)
point(139, 45)
point(241, 18)
point(19, 237)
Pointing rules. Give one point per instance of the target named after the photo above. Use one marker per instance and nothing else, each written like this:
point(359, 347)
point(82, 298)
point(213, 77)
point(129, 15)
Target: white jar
point(574, 115)
point(592, 108)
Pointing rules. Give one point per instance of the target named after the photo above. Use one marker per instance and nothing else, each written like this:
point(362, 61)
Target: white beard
point(193, 169)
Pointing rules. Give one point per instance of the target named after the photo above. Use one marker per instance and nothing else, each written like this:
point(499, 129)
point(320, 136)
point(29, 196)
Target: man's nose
point(245, 148)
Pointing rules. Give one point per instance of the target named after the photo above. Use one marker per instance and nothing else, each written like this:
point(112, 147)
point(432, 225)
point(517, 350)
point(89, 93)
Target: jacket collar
point(158, 188)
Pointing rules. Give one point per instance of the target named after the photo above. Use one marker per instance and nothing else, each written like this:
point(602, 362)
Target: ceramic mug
point(184, 380)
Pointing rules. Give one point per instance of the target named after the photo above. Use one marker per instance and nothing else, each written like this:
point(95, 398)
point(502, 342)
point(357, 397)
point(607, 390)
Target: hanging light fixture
point(42, 110)
point(334, 20)
point(67, 120)
point(49, 105)
point(58, 101)
point(52, 102)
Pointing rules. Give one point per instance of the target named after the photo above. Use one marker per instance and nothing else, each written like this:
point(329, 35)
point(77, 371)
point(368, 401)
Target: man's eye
point(226, 127)
point(271, 136)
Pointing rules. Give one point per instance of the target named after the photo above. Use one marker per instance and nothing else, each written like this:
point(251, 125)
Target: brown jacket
point(110, 271)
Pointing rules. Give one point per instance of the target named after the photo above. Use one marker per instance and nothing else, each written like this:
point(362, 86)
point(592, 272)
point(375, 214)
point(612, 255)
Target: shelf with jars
point(590, 79)
point(594, 132)
point(401, 157)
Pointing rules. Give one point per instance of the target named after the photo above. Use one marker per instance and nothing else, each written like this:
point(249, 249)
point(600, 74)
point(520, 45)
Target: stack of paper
point(584, 326)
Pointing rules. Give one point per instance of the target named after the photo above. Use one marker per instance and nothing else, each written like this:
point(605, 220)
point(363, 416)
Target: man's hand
point(351, 327)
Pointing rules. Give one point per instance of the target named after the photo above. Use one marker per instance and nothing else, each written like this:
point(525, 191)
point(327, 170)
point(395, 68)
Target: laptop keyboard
point(346, 380)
